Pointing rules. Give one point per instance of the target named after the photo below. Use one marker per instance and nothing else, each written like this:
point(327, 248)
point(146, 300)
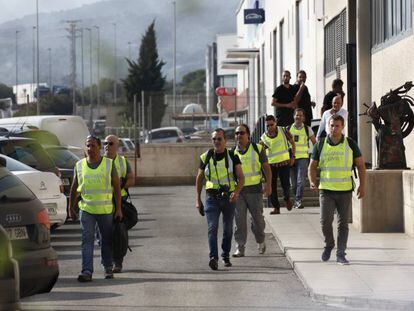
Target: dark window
point(12, 189)
point(389, 19)
point(164, 134)
point(63, 158)
point(335, 43)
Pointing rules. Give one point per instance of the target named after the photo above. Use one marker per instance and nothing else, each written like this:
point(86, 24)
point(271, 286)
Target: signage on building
point(254, 16)
point(222, 91)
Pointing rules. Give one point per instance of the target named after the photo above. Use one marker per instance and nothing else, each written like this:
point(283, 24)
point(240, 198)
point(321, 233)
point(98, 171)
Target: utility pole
point(50, 69)
point(174, 58)
point(72, 37)
point(98, 64)
point(82, 77)
point(37, 59)
point(90, 78)
point(129, 50)
point(115, 65)
point(33, 63)
point(17, 66)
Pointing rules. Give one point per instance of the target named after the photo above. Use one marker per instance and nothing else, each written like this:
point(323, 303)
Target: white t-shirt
point(327, 115)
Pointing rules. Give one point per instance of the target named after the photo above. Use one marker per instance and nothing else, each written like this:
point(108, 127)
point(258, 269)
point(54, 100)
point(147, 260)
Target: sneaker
point(340, 259)
point(109, 274)
point(117, 269)
point(213, 264)
point(289, 204)
point(238, 253)
point(262, 248)
point(84, 277)
point(298, 205)
point(227, 262)
point(275, 211)
point(326, 254)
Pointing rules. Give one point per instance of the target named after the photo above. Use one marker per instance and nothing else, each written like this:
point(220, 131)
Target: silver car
point(170, 134)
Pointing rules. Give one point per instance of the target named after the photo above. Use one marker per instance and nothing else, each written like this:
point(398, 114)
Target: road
point(168, 267)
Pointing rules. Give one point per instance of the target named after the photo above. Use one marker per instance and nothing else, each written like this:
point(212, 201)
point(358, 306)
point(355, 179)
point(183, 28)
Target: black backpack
point(119, 240)
point(129, 212)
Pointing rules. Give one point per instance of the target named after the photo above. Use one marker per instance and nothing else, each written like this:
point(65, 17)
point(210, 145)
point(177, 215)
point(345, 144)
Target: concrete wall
point(408, 189)
point(168, 164)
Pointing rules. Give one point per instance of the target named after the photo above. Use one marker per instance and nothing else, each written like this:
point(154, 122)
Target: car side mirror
point(3, 162)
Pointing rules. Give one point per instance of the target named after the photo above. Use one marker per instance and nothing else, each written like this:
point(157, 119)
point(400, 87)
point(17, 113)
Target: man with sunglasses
point(97, 182)
point(254, 161)
point(224, 180)
point(276, 141)
point(126, 177)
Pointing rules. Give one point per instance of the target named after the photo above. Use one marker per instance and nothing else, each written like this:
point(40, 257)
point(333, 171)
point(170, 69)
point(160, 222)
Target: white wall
point(225, 42)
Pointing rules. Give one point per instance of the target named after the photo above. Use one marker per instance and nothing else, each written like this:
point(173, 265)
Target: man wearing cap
point(97, 182)
point(126, 177)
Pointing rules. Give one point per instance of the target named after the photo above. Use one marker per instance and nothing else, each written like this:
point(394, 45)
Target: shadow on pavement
point(71, 295)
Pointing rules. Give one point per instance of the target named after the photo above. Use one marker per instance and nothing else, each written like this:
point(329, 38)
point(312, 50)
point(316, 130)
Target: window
point(335, 43)
point(389, 19)
point(228, 81)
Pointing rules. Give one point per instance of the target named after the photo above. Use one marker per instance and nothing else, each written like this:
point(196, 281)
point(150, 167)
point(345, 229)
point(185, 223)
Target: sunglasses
point(217, 138)
point(110, 143)
point(240, 133)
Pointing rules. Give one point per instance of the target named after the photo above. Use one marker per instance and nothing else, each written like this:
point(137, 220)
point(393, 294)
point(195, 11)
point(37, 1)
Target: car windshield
point(163, 134)
point(63, 158)
point(130, 144)
point(14, 165)
point(28, 152)
point(12, 189)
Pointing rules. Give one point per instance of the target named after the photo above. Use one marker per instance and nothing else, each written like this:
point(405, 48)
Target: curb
point(379, 304)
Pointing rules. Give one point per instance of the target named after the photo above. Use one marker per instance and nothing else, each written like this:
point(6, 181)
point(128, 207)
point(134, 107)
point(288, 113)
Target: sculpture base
point(408, 190)
point(381, 210)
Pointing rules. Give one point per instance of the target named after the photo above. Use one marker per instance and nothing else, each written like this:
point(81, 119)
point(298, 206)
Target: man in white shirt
point(327, 115)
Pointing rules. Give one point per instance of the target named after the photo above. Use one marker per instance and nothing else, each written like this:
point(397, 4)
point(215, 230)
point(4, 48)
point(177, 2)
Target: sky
point(12, 9)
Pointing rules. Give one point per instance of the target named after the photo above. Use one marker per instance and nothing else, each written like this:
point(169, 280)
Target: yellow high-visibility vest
point(302, 145)
point(216, 173)
point(121, 168)
point(335, 163)
point(251, 165)
point(277, 147)
point(95, 187)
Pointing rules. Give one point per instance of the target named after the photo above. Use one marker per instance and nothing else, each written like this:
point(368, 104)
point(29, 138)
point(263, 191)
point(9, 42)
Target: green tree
point(146, 75)
point(194, 82)
point(56, 104)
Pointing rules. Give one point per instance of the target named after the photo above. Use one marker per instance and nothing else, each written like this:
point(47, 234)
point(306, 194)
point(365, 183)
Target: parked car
point(98, 127)
point(45, 185)
point(126, 145)
point(9, 275)
point(27, 223)
point(170, 134)
point(188, 130)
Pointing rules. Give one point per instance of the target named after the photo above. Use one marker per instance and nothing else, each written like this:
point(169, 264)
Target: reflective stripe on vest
point(121, 168)
point(277, 147)
point(335, 163)
point(302, 146)
point(213, 181)
point(95, 187)
point(251, 165)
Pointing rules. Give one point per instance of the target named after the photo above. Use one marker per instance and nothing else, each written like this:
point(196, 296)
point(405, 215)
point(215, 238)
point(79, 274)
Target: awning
point(234, 64)
point(242, 53)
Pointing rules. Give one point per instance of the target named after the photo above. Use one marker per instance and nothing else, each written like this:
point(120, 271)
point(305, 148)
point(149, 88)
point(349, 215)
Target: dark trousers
point(283, 173)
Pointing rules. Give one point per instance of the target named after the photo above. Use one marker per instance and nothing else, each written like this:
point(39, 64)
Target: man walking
point(125, 175)
point(335, 156)
point(327, 115)
point(301, 135)
point(304, 101)
point(275, 140)
point(254, 161)
point(285, 99)
point(97, 182)
point(337, 85)
point(221, 168)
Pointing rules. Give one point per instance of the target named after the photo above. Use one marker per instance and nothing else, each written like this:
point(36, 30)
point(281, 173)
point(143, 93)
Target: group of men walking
point(99, 186)
point(234, 176)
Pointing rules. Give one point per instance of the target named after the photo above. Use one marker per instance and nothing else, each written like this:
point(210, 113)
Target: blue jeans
point(215, 206)
point(88, 222)
point(298, 177)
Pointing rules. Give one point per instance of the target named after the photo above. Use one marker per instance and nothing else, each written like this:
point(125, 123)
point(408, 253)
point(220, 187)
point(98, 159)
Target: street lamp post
point(115, 65)
point(33, 62)
point(17, 66)
point(90, 77)
point(129, 50)
point(82, 77)
point(174, 58)
point(37, 58)
point(50, 68)
point(98, 63)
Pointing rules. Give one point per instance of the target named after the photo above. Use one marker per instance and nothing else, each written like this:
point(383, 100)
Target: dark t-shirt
point(284, 95)
point(305, 103)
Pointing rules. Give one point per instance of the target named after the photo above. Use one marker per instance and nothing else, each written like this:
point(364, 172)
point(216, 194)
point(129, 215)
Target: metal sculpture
point(394, 120)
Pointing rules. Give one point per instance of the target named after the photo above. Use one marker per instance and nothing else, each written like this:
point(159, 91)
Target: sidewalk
point(381, 273)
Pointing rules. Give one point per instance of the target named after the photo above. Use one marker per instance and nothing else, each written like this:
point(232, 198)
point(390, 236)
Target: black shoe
point(227, 262)
point(341, 260)
point(109, 274)
point(213, 264)
point(326, 254)
point(83, 277)
point(117, 269)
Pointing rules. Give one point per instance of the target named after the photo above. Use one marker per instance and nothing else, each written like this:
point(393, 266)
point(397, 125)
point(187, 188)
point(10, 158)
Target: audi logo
point(12, 218)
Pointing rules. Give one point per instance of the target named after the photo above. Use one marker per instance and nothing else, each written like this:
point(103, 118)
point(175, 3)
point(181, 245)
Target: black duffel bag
point(129, 212)
point(119, 239)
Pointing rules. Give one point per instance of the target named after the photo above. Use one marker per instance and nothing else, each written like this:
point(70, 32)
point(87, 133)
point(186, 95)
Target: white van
point(70, 130)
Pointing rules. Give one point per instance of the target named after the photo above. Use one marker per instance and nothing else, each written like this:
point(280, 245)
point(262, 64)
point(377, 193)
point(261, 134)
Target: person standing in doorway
point(285, 99)
point(221, 168)
point(275, 140)
point(302, 134)
point(335, 156)
point(97, 182)
point(254, 162)
point(126, 177)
